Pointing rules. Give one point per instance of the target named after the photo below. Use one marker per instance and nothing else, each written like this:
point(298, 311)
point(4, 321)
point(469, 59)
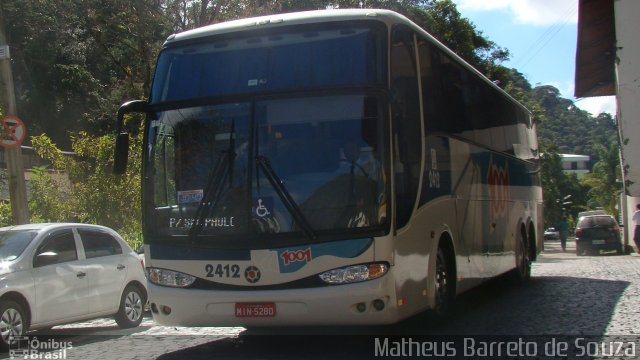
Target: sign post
point(13, 132)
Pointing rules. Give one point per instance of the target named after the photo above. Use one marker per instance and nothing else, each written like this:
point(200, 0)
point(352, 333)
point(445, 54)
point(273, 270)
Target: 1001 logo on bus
point(290, 256)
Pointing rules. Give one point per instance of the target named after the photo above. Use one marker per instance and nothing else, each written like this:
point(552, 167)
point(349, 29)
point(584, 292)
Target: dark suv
point(597, 232)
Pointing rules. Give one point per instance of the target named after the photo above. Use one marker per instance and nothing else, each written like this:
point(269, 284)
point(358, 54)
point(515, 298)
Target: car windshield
point(13, 243)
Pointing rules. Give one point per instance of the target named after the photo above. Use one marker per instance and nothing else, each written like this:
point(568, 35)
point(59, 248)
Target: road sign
point(13, 131)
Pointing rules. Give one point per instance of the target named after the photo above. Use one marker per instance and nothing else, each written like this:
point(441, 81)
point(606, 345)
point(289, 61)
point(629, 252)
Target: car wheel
point(579, 250)
point(131, 309)
point(13, 323)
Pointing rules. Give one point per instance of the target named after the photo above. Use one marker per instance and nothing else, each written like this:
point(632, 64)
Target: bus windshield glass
point(249, 144)
point(326, 151)
point(296, 58)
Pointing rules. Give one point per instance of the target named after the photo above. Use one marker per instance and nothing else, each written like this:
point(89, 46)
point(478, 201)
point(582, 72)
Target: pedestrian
point(635, 220)
point(563, 228)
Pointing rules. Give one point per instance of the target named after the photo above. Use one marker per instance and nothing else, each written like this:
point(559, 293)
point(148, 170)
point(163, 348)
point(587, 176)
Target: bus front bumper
point(369, 302)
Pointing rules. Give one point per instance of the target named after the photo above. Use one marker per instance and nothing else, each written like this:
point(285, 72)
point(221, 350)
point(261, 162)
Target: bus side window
point(405, 105)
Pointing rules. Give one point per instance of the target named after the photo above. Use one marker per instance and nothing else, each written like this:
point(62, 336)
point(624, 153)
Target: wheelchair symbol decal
point(263, 207)
point(261, 210)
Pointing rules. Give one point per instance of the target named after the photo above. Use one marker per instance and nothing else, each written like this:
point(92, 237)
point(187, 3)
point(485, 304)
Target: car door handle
point(81, 274)
point(120, 267)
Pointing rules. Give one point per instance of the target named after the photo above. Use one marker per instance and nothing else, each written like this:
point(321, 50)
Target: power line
point(546, 37)
point(565, 15)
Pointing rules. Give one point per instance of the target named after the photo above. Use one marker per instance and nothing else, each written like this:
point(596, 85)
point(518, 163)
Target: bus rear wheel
point(444, 285)
point(523, 260)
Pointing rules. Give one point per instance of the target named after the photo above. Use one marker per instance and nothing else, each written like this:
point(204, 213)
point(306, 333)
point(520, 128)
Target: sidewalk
point(553, 246)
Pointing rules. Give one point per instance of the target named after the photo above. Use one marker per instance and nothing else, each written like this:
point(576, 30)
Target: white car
point(52, 274)
point(551, 234)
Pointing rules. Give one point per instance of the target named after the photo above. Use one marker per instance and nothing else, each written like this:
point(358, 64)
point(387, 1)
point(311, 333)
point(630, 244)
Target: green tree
point(443, 20)
point(95, 195)
point(519, 88)
point(564, 195)
point(551, 176)
point(6, 217)
point(568, 127)
point(76, 61)
point(605, 179)
point(49, 201)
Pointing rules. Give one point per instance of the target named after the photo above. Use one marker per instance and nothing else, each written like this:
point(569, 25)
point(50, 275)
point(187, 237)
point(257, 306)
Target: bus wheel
point(523, 261)
point(444, 285)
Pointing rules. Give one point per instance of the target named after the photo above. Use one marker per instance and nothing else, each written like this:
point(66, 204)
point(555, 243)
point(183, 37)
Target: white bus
point(328, 167)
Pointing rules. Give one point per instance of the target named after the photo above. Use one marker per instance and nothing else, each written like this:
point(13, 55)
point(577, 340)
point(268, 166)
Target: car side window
point(58, 247)
point(98, 243)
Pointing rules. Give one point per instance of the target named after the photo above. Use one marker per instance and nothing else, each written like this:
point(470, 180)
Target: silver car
point(551, 234)
point(52, 274)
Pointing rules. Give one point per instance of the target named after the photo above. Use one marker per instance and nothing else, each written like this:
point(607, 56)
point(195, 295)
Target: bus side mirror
point(121, 155)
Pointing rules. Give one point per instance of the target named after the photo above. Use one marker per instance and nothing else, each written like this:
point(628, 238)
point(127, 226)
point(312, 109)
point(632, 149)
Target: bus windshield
point(218, 167)
point(251, 142)
point(292, 58)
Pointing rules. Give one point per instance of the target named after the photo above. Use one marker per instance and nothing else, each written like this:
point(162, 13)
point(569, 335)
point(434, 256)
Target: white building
point(608, 63)
point(575, 164)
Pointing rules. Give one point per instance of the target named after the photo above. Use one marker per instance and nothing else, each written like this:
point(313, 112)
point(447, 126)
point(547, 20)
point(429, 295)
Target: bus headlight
point(356, 273)
point(171, 278)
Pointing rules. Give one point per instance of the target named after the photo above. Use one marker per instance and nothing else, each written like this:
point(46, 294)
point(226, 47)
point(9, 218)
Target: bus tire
point(522, 272)
point(444, 284)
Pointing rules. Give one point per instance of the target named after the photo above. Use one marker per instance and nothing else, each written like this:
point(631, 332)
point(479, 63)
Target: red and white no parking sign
point(13, 131)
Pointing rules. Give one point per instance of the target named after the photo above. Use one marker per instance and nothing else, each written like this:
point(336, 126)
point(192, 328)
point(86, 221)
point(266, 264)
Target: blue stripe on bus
point(170, 252)
point(493, 166)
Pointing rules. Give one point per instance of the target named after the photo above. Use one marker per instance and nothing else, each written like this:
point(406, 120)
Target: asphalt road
point(568, 298)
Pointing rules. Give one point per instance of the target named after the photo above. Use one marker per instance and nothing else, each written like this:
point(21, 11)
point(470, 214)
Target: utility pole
point(13, 155)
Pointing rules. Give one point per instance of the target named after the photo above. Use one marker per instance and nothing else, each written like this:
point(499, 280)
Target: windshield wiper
point(213, 188)
point(275, 181)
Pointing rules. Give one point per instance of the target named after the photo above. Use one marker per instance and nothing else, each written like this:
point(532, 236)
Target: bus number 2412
point(227, 270)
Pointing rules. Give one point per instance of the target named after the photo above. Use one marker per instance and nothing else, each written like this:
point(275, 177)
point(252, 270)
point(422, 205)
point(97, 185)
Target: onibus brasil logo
point(25, 347)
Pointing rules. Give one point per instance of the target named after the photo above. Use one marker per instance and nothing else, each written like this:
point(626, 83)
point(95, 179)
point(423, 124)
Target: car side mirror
point(45, 258)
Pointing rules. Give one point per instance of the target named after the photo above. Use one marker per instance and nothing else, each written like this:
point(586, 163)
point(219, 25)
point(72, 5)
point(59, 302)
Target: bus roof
point(317, 16)
point(295, 18)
